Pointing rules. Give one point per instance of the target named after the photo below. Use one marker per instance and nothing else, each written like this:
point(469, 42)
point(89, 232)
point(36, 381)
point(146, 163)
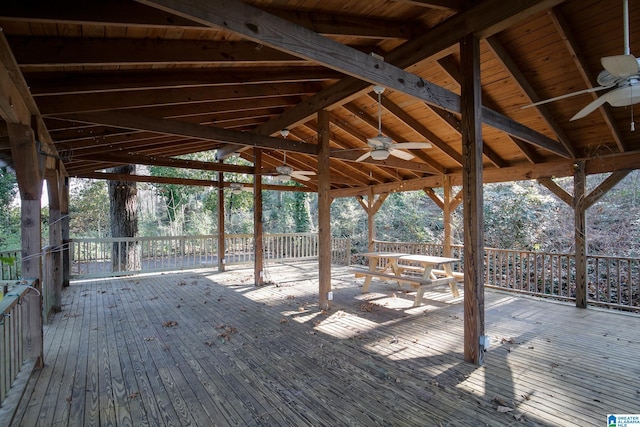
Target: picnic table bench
point(422, 274)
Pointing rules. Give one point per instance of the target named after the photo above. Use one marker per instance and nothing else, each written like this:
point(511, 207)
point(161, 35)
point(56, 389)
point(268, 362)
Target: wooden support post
point(324, 211)
point(64, 224)
point(580, 232)
point(371, 207)
point(471, 107)
point(447, 211)
point(29, 170)
point(257, 219)
point(55, 241)
point(580, 202)
point(221, 232)
point(27, 162)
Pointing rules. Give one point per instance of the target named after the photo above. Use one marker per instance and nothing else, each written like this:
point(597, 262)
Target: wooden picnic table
point(399, 263)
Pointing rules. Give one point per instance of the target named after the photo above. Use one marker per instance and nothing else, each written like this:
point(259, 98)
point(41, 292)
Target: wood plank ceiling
point(120, 81)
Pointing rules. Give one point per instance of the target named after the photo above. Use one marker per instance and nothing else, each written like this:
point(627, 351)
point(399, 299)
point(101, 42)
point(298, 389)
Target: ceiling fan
point(285, 172)
point(238, 187)
point(381, 147)
point(621, 72)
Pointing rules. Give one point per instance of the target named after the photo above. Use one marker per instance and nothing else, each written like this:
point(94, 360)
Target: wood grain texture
point(472, 113)
point(209, 348)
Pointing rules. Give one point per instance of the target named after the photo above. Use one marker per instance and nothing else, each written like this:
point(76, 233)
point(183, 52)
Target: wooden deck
point(207, 348)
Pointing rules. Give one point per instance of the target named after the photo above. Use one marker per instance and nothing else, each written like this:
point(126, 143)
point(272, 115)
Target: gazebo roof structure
point(87, 86)
point(119, 82)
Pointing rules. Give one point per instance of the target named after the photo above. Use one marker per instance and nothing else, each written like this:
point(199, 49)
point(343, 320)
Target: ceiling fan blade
point(590, 107)
point(623, 96)
point(304, 172)
point(412, 145)
point(364, 156)
point(379, 141)
point(404, 155)
point(300, 177)
point(567, 95)
point(622, 66)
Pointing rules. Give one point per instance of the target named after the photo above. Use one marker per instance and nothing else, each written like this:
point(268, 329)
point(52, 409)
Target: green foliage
point(89, 209)
point(409, 216)
point(521, 215)
point(9, 214)
point(513, 213)
point(301, 214)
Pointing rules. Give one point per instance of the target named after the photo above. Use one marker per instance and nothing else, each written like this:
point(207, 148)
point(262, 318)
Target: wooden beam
point(176, 181)
point(564, 30)
point(29, 175)
point(347, 24)
point(519, 77)
point(452, 68)
point(377, 204)
point(604, 187)
point(86, 82)
point(57, 53)
point(27, 161)
point(580, 233)
point(324, 212)
point(129, 14)
point(434, 197)
point(76, 103)
point(261, 27)
point(419, 128)
point(54, 284)
point(133, 158)
point(65, 221)
point(560, 192)
point(473, 200)
point(562, 168)
point(484, 18)
point(174, 127)
point(133, 15)
point(447, 212)
point(221, 226)
point(13, 106)
point(258, 229)
point(437, 4)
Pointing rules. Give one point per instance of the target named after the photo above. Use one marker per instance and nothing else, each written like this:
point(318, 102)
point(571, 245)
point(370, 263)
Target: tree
point(301, 214)
point(123, 198)
point(9, 220)
point(89, 209)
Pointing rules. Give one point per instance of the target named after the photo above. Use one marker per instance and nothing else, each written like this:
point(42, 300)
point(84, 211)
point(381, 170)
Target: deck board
point(247, 356)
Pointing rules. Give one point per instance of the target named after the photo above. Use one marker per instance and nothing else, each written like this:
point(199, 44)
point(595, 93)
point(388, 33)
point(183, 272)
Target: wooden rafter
point(75, 103)
point(173, 127)
point(267, 29)
point(49, 84)
point(419, 128)
point(131, 14)
point(500, 53)
point(562, 26)
point(51, 52)
point(560, 168)
point(129, 158)
point(373, 123)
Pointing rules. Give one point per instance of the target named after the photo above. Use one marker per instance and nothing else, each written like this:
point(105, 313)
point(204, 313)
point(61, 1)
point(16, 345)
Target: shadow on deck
point(206, 348)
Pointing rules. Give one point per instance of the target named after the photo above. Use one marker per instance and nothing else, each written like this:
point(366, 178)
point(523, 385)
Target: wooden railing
point(20, 342)
point(93, 257)
point(611, 281)
point(10, 265)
